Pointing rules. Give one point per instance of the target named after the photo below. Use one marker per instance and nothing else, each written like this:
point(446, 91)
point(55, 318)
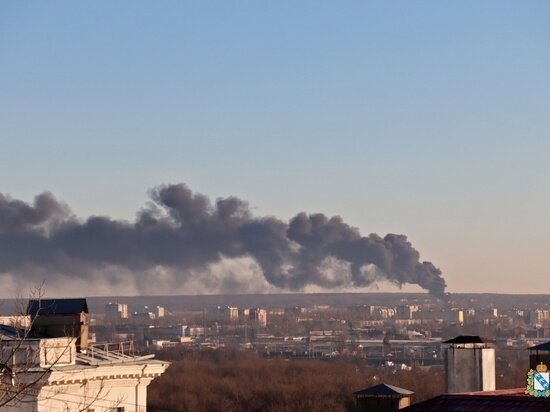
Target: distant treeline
point(242, 381)
point(283, 300)
point(336, 300)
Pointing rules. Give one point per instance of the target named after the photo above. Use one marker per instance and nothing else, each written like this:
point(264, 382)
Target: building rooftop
point(115, 353)
point(543, 346)
point(11, 332)
point(507, 400)
point(56, 306)
point(466, 339)
point(384, 390)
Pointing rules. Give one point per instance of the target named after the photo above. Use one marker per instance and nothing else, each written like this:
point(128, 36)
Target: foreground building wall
point(85, 387)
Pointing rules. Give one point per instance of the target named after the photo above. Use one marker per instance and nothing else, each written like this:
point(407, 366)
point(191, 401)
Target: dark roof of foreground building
point(543, 346)
point(42, 307)
point(11, 332)
point(507, 400)
point(384, 390)
point(466, 339)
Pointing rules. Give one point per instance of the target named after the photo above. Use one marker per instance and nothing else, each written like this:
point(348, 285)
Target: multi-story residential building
point(406, 311)
point(259, 316)
point(540, 317)
point(225, 314)
point(116, 311)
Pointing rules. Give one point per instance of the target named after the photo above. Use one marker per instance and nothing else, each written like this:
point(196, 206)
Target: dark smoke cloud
point(183, 232)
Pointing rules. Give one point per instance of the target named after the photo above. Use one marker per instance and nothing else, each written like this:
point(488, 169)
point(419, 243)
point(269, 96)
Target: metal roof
point(542, 346)
point(384, 390)
point(466, 339)
point(17, 333)
point(100, 357)
point(485, 403)
point(42, 307)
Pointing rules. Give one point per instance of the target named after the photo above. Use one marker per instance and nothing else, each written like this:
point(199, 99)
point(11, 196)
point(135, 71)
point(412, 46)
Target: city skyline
point(422, 119)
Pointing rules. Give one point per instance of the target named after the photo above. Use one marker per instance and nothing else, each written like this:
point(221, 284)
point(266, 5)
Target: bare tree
point(18, 357)
point(26, 363)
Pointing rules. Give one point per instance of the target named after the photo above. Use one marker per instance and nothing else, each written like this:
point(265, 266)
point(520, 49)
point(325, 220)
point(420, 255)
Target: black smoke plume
point(184, 232)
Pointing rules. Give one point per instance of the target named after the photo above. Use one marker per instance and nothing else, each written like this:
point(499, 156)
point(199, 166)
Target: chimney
point(469, 365)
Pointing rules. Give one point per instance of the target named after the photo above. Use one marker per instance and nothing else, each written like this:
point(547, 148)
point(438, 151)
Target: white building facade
point(50, 375)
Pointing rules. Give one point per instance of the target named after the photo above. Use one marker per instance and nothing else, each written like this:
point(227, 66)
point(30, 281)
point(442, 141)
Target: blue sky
point(425, 118)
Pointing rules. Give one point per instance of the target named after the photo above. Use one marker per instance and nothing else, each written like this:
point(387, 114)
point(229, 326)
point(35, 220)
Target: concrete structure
point(406, 311)
point(540, 317)
point(244, 313)
point(382, 398)
point(116, 311)
point(160, 312)
point(225, 314)
point(233, 313)
point(470, 313)
point(146, 314)
point(21, 349)
point(469, 365)
point(259, 316)
point(196, 331)
point(381, 312)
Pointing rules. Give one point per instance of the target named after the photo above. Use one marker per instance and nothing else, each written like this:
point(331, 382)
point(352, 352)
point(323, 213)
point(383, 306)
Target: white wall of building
point(80, 387)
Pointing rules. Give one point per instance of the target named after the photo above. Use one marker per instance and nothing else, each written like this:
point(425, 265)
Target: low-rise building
point(43, 372)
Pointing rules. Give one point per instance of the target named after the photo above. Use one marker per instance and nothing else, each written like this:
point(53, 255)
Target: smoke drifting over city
point(181, 237)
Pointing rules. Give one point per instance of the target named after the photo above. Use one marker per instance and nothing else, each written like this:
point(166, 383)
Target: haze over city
point(418, 119)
